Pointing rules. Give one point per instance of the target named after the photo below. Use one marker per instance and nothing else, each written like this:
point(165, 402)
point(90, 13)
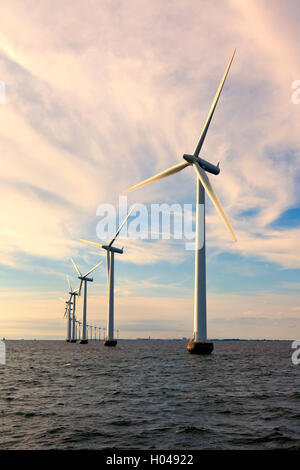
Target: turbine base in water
point(110, 342)
point(83, 341)
point(200, 347)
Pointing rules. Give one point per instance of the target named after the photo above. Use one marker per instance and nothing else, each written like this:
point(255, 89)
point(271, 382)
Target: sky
point(100, 95)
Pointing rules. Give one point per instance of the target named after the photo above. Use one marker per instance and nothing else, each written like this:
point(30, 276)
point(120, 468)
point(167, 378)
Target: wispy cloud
point(100, 97)
point(84, 109)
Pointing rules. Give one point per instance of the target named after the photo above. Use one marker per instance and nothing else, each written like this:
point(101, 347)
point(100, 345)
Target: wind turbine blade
point(122, 225)
point(91, 270)
point(75, 266)
point(69, 284)
point(98, 245)
point(80, 286)
point(170, 171)
point(213, 197)
point(212, 108)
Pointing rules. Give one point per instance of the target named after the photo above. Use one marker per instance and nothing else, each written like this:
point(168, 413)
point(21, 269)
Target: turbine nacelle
point(84, 278)
point(207, 166)
point(112, 248)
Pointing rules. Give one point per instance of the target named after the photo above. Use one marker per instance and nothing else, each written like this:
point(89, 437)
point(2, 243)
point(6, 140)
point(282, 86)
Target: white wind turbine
point(73, 294)
point(84, 279)
point(68, 316)
point(199, 344)
point(109, 340)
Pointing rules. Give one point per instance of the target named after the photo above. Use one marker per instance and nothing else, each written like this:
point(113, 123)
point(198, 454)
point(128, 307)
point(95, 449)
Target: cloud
point(99, 98)
point(128, 287)
point(77, 102)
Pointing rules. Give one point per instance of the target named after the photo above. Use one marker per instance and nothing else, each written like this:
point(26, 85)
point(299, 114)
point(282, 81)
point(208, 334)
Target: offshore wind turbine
point(109, 340)
point(68, 316)
point(73, 294)
point(199, 344)
point(84, 279)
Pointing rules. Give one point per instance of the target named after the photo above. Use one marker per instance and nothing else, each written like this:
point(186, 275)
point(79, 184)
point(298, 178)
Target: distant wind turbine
point(84, 279)
point(109, 340)
point(73, 294)
point(199, 344)
point(67, 315)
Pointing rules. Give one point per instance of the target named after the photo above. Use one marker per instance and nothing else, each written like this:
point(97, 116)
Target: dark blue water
point(149, 395)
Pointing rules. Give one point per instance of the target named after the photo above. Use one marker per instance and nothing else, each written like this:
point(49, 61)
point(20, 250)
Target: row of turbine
point(70, 311)
point(74, 325)
point(199, 344)
point(93, 333)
